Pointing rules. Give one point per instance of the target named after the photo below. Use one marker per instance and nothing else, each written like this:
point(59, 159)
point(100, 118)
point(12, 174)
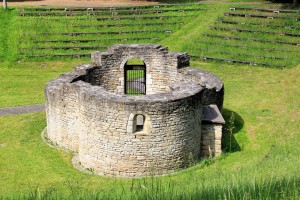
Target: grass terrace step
point(106, 33)
point(244, 57)
point(115, 18)
point(74, 55)
point(23, 9)
point(249, 47)
point(265, 21)
point(259, 16)
point(236, 61)
point(264, 10)
point(117, 12)
point(254, 47)
point(241, 54)
point(250, 39)
point(93, 40)
point(119, 25)
point(255, 31)
point(65, 47)
point(258, 24)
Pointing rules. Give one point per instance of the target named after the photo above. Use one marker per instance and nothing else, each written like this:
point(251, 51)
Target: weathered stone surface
point(88, 112)
point(211, 139)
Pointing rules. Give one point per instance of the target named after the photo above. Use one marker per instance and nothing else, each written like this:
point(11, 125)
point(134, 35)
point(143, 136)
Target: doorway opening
point(135, 77)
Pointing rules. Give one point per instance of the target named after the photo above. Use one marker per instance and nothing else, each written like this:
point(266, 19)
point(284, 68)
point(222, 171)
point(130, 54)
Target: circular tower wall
point(130, 136)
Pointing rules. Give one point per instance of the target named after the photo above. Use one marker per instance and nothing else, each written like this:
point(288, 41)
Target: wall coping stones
point(186, 89)
point(211, 114)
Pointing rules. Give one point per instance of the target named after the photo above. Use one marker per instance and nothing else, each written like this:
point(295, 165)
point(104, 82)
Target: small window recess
point(139, 122)
point(139, 125)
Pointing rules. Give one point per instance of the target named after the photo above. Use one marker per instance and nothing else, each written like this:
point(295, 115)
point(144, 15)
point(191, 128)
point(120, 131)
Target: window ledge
point(140, 133)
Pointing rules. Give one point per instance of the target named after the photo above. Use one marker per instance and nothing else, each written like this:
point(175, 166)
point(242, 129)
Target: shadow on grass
point(290, 6)
point(233, 124)
point(287, 4)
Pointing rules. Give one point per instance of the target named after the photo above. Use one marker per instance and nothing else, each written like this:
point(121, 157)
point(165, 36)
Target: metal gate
point(135, 79)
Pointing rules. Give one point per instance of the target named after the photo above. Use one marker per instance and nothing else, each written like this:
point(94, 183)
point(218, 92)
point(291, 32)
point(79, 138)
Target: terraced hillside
point(255, 36)
point(75, 32)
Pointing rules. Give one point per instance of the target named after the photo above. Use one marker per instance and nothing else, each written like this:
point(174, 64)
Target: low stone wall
point(211, 139)
point(109, 146)
point(62, 111)
point(94, 122)
point(161, 66)
point(87, 113)
point(213, 87)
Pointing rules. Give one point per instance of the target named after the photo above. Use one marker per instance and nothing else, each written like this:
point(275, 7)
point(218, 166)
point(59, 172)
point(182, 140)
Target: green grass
point(8, 35)
point(26, 30)
point(262, 164)
point(33, 28)
point(23, 83)
point(289, 59)
point(260, 160)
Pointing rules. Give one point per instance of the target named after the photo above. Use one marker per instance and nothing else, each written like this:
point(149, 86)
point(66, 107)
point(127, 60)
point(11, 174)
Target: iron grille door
point(135, 79)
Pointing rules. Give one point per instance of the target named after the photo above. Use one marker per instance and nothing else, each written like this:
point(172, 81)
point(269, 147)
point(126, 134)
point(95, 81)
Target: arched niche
point(139, 124)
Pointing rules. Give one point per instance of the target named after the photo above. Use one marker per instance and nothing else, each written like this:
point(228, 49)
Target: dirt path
point(78, 3)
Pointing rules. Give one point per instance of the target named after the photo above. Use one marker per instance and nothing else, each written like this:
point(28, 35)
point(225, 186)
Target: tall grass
point(272, 188)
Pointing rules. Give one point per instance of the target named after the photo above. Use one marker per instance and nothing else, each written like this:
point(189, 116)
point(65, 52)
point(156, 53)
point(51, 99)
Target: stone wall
point(62, 111)
point(213, 87)
point(161, 66)
point(97, 127)
point(88, 113)
point(109, 146)
point(211, 139)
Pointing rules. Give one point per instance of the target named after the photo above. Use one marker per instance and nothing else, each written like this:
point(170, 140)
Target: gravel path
point(22, 109)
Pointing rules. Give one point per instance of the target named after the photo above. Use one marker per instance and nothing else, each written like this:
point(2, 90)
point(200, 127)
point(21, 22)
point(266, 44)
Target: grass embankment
point(253, 39)
point(258, 41)
point(55, 33)
point(60, 35)
point(263, 162)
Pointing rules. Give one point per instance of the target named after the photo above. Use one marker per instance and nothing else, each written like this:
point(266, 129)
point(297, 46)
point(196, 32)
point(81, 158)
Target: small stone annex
point(130, 120)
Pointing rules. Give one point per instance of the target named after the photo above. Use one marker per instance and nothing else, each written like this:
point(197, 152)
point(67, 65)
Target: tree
point(295, 1)
point(4, 4)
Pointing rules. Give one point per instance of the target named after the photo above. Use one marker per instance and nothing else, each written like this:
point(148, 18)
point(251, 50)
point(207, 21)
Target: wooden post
point(4, 4)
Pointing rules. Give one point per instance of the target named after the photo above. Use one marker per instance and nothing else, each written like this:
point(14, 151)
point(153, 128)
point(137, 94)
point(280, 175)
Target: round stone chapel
point(135, 120)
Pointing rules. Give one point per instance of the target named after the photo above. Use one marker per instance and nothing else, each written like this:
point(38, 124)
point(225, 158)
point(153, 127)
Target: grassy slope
point(8, 36)
point(23, 83)
point(265, 99)
point(266, 106)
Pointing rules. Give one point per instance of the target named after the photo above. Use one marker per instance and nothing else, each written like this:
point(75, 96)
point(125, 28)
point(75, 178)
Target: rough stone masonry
point(88, 113)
